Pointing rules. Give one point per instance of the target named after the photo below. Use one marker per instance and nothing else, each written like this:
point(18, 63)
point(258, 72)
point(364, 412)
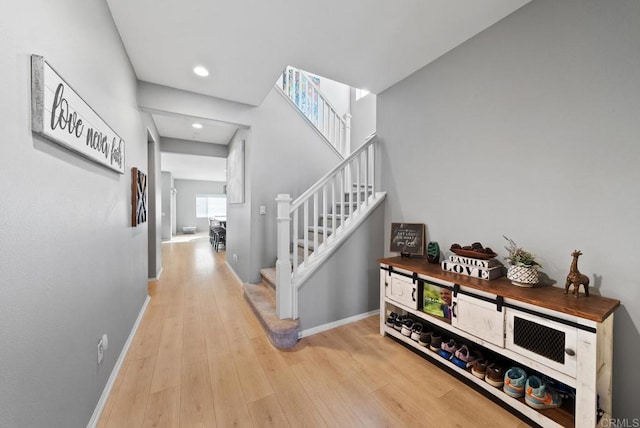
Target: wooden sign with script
point(59, 114)
point(407, 238)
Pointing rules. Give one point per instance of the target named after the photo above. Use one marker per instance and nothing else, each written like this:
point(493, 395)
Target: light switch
point(263, 209)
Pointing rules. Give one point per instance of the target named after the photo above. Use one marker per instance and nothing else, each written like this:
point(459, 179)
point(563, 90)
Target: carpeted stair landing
point(261, 297)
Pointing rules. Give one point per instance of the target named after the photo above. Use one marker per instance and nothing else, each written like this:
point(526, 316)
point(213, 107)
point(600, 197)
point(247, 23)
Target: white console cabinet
point(540, 329)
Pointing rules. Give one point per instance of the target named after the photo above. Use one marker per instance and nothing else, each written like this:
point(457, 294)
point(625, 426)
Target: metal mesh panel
point(540, 339)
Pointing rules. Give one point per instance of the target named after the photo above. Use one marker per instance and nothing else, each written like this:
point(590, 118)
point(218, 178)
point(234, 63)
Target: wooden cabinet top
point(594, 308)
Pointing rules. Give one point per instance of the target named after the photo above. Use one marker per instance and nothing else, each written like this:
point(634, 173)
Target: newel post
point(284, 293)
point(347, 134)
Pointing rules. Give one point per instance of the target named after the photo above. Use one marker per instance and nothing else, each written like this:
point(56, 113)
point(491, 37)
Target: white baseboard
point(233, 272)
point(329, 326)
point(116, 369)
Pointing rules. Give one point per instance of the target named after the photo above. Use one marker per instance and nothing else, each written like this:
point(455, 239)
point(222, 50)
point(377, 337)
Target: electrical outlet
point(235, 258)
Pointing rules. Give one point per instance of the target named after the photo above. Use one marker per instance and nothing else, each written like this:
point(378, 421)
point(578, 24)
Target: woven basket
point(523, 276)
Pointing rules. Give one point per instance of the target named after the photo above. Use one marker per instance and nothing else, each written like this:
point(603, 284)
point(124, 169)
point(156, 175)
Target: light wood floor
point(201, 359)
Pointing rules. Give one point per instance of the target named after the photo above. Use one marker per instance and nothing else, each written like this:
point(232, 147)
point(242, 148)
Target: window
point(211, 206)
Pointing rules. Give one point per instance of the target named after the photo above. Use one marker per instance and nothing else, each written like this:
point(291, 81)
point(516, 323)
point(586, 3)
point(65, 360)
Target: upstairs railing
point(338, 199)
point(303, 91)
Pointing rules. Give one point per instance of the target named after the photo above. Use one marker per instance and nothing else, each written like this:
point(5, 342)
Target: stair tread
point(269, 276)
point(262, 299)
point(321, 230)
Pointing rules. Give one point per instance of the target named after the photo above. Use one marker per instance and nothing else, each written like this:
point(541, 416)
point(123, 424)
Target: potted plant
point(523, 268)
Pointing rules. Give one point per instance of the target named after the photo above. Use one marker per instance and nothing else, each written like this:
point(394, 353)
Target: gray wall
point(238, 243)
point(175, 145)
point(167, 183)
point(284, 155)
point(71, 266)
point(530, 130)
point(154, 214)
point(348, 284)
point(186, 202)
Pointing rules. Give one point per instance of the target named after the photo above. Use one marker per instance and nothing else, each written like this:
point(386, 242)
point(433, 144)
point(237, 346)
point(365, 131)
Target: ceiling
point(245, 44)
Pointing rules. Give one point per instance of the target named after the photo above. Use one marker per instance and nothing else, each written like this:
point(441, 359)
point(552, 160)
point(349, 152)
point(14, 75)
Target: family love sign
point(59, 114)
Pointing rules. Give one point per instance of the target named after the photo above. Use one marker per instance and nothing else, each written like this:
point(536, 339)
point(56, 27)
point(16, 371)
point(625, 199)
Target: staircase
point(261, 297)
point(310, 229)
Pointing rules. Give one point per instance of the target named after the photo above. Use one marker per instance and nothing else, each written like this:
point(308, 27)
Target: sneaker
point(425, 337)
point(416, 330)
point(391, 319)
point(479, 368)
point(398, 323)
point(495, 375)
point(539, 396)
point(447, 349)
point(514, 382)
point(565, 391)
point(464, 358)
point(436, 342)
point(406, 327)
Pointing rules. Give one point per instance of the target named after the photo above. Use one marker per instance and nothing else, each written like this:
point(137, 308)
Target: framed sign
point(407, 238)
point(138, 197)
point(59, 114)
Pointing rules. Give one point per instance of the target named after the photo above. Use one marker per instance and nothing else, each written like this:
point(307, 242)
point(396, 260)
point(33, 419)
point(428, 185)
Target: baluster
point(358, 188)
point(366, 176)
point(324, 213)
point(305, 239)
point(315, 222)
point(342, 191)
point(334, 218)
point(294, 241)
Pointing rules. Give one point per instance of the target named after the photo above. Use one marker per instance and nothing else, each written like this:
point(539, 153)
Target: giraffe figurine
point(575, 278)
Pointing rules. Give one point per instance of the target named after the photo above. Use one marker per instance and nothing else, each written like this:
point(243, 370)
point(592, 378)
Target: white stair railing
point(337, 200)
point(305, 94)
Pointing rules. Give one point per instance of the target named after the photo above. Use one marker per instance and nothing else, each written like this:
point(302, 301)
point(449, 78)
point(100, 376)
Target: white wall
point(530, 130)
point(186, 202)
point(71, 266)
point(363, 120)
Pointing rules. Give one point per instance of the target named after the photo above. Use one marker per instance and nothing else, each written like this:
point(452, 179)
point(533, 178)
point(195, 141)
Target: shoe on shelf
point(447, 349)
point(391, 319)
point(539, 396)
point(398, 323)
point(515, 380)
point(416, 330)
point(464, 357)
point(495, 375)
point(425, 337)
point(479, 368)
point(436, 342)
point(565, 391)
point(406, 327)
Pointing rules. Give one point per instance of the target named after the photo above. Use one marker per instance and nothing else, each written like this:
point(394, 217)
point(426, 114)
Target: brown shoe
point(495, 375)
point(479, 368)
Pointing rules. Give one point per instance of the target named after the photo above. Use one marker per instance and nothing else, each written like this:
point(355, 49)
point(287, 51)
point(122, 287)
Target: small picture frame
point(138, 197)
point(408, 239)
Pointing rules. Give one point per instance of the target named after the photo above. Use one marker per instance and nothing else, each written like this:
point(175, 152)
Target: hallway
point(200, 359)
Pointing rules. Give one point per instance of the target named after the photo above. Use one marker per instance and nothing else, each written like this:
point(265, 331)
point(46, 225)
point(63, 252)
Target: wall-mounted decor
point(138, 197)
point(59, 114)
point(407, 239)
point(235, 172)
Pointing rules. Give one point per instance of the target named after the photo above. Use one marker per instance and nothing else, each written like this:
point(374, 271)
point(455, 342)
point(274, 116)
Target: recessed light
point(197, 125)
point(201, 71)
